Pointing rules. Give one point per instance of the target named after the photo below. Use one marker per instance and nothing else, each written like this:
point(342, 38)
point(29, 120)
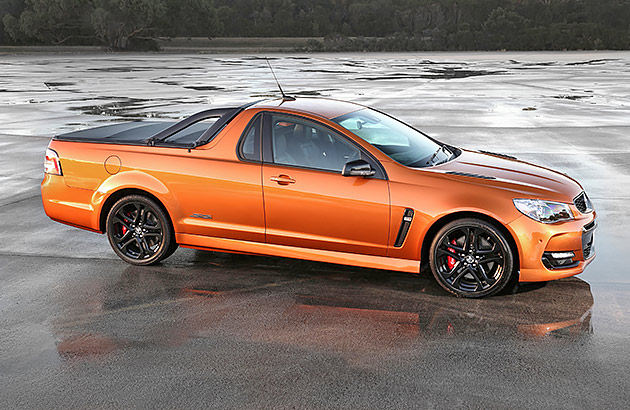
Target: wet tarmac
point(81, 329)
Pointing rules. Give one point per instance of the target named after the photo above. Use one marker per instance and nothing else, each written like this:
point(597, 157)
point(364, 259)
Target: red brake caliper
point(450, 260)
point(124, 228)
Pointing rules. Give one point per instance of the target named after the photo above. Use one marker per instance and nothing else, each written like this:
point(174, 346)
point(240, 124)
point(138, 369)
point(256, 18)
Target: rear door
point(307, 201)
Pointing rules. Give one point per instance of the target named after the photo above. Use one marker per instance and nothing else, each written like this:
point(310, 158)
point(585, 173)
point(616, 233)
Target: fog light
point(562, 255)
point(559, 260)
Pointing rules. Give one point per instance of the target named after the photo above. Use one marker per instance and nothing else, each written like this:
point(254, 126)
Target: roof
point(324, 107)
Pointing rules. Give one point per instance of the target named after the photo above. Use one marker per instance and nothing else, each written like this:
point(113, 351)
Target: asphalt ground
point(81, 329)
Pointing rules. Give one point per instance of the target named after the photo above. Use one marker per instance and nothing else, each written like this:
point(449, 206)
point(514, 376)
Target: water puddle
point(599, 61)
point(204, 88)
point(119, 69)
point(446, 73)
point(125, 108)
point(571, 97)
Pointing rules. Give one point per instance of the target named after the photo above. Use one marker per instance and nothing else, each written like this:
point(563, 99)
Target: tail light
point(52, 165)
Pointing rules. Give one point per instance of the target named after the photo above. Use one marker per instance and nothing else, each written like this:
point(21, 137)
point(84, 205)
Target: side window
point(191, 133)
point(302, 143)
point(250, 145)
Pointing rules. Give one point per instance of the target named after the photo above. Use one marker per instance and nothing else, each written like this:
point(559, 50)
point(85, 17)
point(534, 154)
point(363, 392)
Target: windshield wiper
point(437, 151)
point(446, 151)
point(450, 154)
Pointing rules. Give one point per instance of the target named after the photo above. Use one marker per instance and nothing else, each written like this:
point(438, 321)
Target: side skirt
point(318, 255)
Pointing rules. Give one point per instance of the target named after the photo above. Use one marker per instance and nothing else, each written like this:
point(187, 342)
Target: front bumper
point(534, 238)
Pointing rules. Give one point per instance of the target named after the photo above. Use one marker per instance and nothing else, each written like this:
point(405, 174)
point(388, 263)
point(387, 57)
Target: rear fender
point(135, 179)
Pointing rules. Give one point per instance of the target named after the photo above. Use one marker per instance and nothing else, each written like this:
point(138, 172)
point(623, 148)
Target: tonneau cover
point(166, 134)
point(129, 133)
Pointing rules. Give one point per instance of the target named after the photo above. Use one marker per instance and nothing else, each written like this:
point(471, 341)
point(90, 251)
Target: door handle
point(283, 180)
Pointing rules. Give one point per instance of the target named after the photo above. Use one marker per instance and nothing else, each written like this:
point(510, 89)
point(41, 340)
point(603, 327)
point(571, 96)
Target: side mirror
point(357, 168)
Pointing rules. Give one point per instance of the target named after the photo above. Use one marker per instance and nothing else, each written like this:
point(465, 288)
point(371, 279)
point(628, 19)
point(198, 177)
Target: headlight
point(544, 211)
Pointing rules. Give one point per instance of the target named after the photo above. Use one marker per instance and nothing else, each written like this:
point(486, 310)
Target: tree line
point(341, 25)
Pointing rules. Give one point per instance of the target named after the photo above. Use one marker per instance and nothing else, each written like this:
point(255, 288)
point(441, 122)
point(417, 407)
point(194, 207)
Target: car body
point(346, 192)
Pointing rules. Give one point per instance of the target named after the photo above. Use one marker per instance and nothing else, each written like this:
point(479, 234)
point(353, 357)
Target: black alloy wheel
point(139, 231)
point(471, 258)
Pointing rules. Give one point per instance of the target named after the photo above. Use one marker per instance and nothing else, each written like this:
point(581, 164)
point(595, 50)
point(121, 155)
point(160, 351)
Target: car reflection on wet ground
point(357, 313)
point(79, 328)
point(248, 331)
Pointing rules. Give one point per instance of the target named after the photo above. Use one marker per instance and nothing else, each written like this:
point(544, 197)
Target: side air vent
point(404, 227)
point(496, 154)
point(466, 174)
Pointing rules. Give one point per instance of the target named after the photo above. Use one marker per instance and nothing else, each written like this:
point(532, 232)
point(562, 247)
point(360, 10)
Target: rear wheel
point(139, 231)
point(471, 258)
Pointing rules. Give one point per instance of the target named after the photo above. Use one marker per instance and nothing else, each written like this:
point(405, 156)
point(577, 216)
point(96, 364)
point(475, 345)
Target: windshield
point(399, 141)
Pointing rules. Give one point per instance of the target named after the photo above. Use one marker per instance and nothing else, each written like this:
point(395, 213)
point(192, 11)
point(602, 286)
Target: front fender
point(438, 220)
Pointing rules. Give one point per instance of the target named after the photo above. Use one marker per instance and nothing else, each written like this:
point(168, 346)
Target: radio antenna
point(284, 96)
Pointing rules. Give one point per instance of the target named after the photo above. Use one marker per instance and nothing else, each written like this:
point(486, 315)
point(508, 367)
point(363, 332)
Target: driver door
point(307, 201)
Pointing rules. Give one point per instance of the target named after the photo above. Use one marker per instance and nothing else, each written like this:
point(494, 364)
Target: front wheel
point(471, 258)
point(139, 231)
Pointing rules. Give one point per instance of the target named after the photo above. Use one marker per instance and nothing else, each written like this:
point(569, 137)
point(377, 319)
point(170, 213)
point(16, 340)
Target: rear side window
point(191, 133)
point(250, 144)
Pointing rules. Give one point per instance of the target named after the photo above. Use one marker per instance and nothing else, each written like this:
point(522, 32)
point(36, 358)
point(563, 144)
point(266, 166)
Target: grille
point(587, 239)
point(582, 203)
point(587, 250)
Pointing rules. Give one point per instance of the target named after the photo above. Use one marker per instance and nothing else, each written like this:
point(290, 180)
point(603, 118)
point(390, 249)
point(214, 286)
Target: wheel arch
point(439, 223)
point(121, 193)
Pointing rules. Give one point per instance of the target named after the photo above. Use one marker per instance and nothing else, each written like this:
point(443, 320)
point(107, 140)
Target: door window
point(302, 143)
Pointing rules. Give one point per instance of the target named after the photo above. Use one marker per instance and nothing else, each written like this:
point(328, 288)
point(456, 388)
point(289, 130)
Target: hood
point(526, 179)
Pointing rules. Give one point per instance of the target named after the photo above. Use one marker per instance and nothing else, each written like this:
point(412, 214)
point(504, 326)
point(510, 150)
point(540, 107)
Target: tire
point(139, 231)
point(471, 258)
point(171, 250)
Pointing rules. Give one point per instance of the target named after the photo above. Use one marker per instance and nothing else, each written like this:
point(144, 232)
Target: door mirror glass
point(357, 168)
